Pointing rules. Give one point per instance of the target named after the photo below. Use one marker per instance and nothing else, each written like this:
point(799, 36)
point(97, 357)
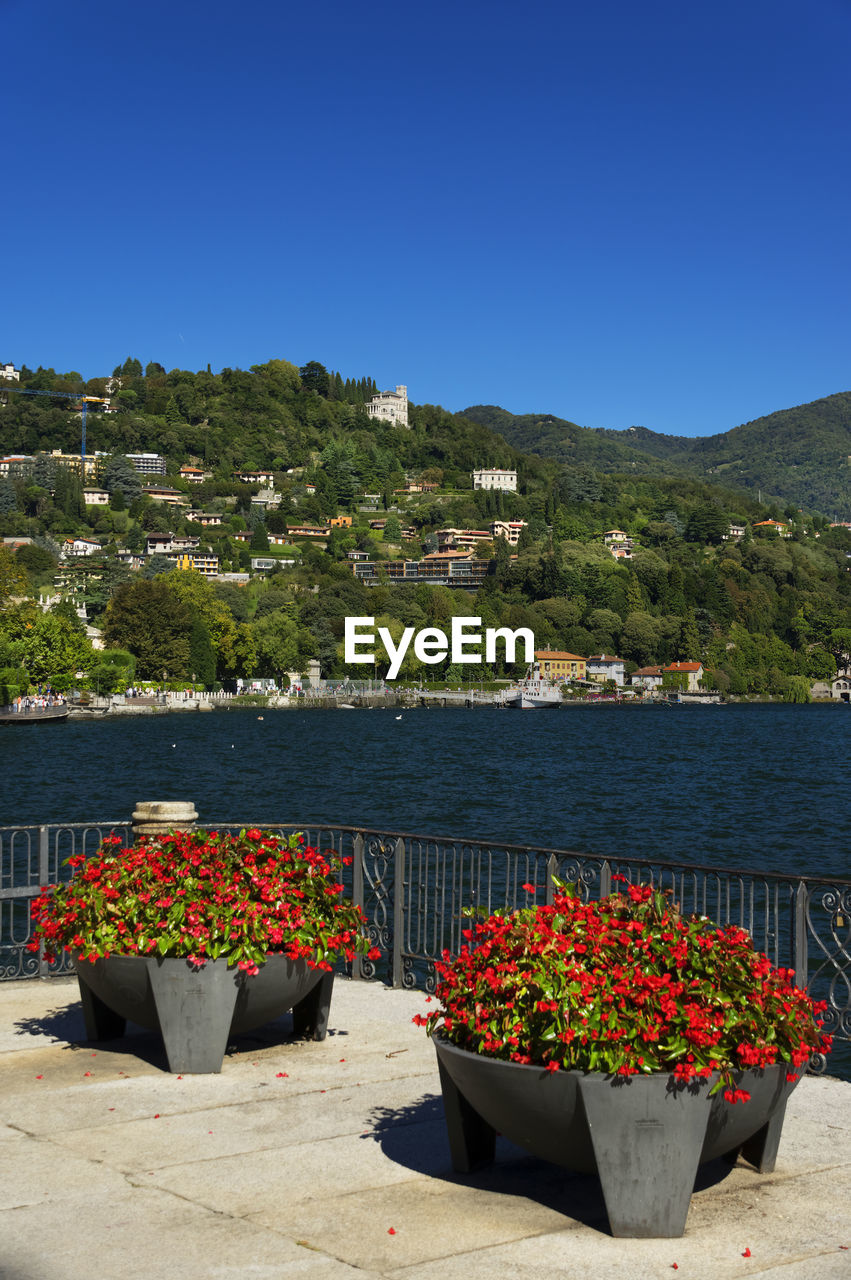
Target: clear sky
point(618, 213)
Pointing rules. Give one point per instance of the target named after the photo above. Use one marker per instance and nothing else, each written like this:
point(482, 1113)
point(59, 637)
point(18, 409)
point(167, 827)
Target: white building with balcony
point(495, 478)
point(508, 529)
point(147, 464)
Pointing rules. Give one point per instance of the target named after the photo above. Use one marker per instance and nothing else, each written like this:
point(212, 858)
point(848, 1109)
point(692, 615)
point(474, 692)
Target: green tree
point(688, 644)
point(820, 665)
point(200, 597)
point(109, 676)
point(605, 625)
point(13, 579)
point(202, 657)
point(119, 473)
point(797, 690)
point(707, 524)
point(154, 624)
point(640, 638)
point(35, 501)
point(283, 378)
point(49, 645)
point(68, 494)
point(276, 522)
point(34, 559)
point(838, 644)
point(8, 497)
point(314, 377)
point(272, 601)
point(127, 399)
point(276, 637)
point(156, 565)
point(326, 646)
point(236, 599)
point(392, 529)
point(259, 538)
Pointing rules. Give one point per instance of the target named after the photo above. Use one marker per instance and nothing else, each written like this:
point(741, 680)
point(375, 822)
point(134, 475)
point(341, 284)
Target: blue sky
point(621, 214)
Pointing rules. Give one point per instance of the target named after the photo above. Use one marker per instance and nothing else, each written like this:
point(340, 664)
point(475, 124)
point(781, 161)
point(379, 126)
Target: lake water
point(764, 787)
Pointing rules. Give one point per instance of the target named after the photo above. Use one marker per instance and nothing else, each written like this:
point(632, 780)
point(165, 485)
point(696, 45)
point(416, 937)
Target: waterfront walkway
point(329, 1162)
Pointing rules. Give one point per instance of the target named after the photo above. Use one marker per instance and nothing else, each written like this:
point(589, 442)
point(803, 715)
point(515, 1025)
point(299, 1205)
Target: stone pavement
point(329, 1162)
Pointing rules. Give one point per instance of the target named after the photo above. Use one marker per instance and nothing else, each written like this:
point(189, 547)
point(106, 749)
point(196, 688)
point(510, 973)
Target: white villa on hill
point(495, 478)
point(390, 406)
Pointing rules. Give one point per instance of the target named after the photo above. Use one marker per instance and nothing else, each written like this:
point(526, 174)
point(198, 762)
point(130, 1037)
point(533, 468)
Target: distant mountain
point(801, 456)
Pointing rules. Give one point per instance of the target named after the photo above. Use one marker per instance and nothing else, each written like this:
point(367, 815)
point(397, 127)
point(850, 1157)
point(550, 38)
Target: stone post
point(157, 817)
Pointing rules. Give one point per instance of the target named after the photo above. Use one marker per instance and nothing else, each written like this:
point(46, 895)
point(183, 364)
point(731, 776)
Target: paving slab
point(48, 1174)
point(795, 1236)
point(330, 1161)
point(146, 1233)
point(278, 1179)
point(175, 1136)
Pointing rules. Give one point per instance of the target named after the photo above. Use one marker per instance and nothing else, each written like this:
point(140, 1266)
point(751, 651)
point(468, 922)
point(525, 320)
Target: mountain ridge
point(800, 455)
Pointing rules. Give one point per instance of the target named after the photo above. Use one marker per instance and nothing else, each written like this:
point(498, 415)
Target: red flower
point(198, 895)
point(623, 985)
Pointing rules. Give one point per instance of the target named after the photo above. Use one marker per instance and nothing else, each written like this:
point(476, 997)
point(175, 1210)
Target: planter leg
point(194, 1013)
point(761, 1149)
point(472, 1141)
point(310, 1015)
point(102, 1023)
point(647, 1149)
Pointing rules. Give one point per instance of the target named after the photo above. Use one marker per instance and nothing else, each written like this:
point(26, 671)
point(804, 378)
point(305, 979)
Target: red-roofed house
point(196, 475)
point(689, 675)
point(80, 547)
point(774, 526)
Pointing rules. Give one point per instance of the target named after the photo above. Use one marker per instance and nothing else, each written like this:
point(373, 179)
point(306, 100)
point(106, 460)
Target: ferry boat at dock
point(533, 693)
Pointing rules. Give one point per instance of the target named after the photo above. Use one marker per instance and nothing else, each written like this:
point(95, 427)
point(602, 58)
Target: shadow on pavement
point(414, 1136)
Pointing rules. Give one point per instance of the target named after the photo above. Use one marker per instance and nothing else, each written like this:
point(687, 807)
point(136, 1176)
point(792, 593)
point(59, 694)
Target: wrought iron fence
point(417, 892)
point(29, 858)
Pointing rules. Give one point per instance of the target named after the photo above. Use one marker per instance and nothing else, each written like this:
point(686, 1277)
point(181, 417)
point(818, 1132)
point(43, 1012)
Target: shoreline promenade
point(330, 1161)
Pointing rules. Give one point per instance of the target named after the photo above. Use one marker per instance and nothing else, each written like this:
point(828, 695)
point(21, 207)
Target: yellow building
point(560, 666)
point(202, 563)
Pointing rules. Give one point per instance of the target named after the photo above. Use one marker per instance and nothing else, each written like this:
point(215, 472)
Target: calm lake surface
point(764, 787)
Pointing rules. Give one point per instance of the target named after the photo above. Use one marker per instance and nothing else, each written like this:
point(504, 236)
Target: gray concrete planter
point(643, 1135)
point(196, 1010)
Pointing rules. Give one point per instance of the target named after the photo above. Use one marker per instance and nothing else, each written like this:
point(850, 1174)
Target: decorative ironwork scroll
point(420, 893)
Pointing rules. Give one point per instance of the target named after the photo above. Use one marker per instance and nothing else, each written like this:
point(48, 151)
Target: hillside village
point(173, 526)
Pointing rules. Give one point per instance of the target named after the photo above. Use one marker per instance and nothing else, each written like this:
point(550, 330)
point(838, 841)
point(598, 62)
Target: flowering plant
point(626, 985)
point(201, 895)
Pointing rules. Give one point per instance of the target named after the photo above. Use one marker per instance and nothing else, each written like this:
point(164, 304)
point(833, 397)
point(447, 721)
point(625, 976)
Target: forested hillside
point(801, 456)
point(272, 572)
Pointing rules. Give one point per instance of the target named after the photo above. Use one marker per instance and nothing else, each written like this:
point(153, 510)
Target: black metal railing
point(29, 858)
point(417, 891)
